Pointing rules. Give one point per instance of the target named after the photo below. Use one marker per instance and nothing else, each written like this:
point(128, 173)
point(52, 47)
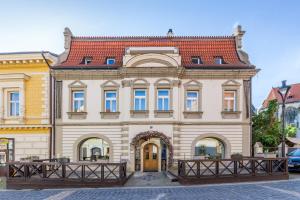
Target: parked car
point(294, 160)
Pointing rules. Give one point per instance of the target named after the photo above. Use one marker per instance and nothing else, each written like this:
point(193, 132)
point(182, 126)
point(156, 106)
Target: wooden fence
point(230, 170)
point(55, 174)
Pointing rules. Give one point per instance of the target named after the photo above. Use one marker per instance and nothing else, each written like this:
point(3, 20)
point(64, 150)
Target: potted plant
point(236, 156)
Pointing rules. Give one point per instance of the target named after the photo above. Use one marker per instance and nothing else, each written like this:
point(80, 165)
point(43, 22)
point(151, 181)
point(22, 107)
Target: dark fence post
point(235, 166)
point(198, 168)
point(82, 171)
point(44, 170)
point(253, 167)
point(102, 171)
point(63, 168)
point(26, 170)
point(217, 166)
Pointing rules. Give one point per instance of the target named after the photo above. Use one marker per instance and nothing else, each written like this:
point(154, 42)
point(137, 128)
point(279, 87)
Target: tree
point(291, 131)
point(266, 126)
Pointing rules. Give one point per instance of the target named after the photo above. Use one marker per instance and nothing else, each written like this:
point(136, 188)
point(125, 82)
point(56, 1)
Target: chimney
point(238, 33)
point(170, 33)
point(68, 36)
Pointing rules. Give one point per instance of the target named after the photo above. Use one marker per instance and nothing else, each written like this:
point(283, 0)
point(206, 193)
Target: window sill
point(163, 113)
point(77, 115)
point(139, 113)
point(192, 114)
point(231, 114)
point(12, 119)
point(109, 115)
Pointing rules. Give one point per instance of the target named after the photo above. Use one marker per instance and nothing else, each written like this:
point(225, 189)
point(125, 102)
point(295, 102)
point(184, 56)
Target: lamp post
point(283, 92)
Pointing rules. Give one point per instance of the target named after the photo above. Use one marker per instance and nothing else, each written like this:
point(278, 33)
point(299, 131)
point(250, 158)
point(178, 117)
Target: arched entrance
point(165, 149)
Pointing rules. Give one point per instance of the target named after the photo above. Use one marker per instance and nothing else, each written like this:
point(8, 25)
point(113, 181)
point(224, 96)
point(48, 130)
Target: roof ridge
point(149, 37)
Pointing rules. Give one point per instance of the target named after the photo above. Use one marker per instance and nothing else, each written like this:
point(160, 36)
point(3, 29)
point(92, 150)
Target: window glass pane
point(160, 104)
point(94, 149)
point(17, 109)
point(114, 106)
point(78, 95)
point(111, 94)
point(166, 104)
point(110, 61)
point(189, 105)
point(107, 106)
point(14, 96)
point(143, 104)
point(210, 147)
point(136, 104)
point(140, 93)
point(163, 92)
point(192, 94)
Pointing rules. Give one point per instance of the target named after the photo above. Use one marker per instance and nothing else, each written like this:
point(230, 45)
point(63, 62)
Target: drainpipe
point(50, 109)
point(250, 115)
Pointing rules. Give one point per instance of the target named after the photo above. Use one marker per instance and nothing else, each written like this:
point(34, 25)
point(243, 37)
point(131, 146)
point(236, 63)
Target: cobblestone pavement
point(287, 190)
point(150, 179)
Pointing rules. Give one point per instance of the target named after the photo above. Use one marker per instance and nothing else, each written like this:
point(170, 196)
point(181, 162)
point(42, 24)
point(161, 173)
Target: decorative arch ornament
point(155, 134)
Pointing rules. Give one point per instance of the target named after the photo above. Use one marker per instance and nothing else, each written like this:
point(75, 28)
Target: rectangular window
point(139, 99)
point(219, 60)
point(196, 60)
point(110, 61)
point(14, 104)
point(110, 101)
point(78, 101)
point(230, 100)
point(192, 101)
point(163, 99)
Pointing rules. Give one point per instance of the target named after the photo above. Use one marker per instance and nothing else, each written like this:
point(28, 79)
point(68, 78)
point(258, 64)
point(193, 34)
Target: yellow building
point(25, 125)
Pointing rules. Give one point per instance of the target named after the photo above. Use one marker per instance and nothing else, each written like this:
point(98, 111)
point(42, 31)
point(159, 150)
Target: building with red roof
point(150, 100)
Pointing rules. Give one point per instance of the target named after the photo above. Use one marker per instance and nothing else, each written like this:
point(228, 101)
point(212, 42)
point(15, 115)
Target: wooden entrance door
point(150, 157)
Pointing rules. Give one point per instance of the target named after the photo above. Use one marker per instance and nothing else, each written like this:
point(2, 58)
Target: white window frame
point(74, 99)
point(163, 99)
point(110, 99)
point(140, 100)
point(229, 99)
point(192, 99)
point(13, 103)
point(110, 59)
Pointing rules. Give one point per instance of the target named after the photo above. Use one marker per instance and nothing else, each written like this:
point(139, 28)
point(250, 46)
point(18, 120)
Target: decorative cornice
point(121, 73)
point(158, 122)
point(22, 127)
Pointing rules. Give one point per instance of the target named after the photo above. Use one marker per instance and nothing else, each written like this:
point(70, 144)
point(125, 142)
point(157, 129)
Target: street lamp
point(283, 92)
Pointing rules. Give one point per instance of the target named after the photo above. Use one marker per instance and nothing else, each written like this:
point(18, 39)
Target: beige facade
point(176, 131)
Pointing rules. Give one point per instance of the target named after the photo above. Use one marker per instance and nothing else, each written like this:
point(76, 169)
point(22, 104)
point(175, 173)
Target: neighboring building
point(292, 105)
point(24, 105)
point(150, 100)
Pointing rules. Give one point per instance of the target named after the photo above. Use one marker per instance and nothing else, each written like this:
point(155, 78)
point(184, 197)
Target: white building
point(151, 100)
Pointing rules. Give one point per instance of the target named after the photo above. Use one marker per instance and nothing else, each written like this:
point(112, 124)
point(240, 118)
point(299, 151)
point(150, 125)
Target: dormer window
point(219, 60)
point(196, 60)
point(87, 60)
point(110, 61)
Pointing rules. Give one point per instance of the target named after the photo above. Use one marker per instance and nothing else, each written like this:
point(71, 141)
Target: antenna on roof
point(170, 33)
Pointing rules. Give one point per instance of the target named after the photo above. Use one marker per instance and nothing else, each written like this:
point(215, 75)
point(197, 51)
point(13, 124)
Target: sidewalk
point(144, 179)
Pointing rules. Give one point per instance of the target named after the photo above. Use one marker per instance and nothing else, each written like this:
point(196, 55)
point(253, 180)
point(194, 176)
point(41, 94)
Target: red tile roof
point(102, 47)
point(293, 96)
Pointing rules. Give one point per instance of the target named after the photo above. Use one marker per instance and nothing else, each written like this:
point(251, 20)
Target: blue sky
point(272, 38)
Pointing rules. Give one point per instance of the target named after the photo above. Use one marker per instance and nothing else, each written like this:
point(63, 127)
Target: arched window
point(210, 147)
point(93, 149)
